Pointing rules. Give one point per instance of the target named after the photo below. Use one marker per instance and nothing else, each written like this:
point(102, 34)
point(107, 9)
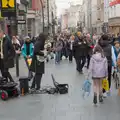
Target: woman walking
point(99, 69)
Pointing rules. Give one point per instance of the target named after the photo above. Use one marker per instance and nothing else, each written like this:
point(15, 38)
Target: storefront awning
point(114, 2)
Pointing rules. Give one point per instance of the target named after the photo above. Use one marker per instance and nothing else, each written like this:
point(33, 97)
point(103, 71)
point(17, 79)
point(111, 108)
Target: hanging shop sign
point(21, 12)
point(21, 21)
point(115, 2)
point(8, 8)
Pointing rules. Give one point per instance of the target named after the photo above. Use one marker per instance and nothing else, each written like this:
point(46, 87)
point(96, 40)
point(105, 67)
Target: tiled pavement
point(59, 107)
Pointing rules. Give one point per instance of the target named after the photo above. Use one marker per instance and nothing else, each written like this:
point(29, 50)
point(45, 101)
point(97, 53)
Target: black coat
point(107, 49)
point(37, 66)
point(8, 53)
point(80, 49)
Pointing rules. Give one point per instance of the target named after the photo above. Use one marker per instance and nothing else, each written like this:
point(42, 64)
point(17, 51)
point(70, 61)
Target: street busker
point(38, 63)
point(99, 69)
point(27, 52)
point(80, 53)
point(109, 53)
point(7, 54)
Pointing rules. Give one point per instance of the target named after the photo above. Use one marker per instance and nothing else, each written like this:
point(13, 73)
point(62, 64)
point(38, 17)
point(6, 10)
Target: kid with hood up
point(99, 69)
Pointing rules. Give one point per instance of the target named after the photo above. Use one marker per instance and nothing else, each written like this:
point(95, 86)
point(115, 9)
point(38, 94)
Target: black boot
point(100, 98)
point(95, 99)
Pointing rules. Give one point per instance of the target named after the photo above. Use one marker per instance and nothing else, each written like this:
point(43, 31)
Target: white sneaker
point(104, 95)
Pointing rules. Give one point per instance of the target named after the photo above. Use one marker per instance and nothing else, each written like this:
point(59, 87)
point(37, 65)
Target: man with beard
point(80, 48)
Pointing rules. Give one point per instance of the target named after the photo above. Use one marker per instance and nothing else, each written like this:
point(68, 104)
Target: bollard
point(17, 65)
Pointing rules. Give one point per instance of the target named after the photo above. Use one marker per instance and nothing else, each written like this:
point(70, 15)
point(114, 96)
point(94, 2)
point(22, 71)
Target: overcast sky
point(62, 4)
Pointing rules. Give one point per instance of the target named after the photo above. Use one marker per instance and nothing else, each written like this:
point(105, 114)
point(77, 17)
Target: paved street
point(59, 107)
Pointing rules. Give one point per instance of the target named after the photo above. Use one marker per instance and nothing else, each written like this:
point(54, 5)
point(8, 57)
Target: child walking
point(99, 70)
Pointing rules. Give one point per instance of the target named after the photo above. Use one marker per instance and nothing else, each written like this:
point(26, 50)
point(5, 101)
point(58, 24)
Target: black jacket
point(80, 48)
point(36, 66)
point(107, 49)
point(8, 53)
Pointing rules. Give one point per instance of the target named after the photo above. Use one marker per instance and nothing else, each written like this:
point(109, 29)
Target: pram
point(8, 89)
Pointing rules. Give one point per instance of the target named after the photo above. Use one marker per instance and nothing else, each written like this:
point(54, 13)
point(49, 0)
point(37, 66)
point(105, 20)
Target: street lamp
point(41, 1)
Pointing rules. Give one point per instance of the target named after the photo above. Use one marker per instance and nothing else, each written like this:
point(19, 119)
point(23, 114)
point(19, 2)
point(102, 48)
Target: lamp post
point(41, 1)
point(48, 15)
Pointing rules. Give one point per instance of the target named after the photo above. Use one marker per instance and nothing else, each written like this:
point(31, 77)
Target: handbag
point(105, 84)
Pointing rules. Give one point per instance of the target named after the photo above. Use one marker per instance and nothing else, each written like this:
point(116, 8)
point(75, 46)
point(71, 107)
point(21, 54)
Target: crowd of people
point(97, 53)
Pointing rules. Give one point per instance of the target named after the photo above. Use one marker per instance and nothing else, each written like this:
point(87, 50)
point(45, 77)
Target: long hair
point(98, 49)
point(42, 39)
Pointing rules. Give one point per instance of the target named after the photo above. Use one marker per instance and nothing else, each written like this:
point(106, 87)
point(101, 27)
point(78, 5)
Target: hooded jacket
point(108, 51)
point(98, 66)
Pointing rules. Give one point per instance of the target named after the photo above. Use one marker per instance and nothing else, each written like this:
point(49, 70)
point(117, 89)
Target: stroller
point(8, 89)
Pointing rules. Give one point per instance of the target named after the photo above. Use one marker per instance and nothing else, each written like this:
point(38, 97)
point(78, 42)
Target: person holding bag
point(99, 69)
point(38, 63)
point(27, 52)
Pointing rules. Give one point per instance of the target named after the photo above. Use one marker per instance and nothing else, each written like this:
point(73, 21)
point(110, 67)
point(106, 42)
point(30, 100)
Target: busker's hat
point(27, 37)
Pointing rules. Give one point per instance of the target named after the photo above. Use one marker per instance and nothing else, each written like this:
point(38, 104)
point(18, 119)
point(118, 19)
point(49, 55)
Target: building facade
point(75, 18)
point(50, 16)
point(34, 17)
point(64, 20)
point(114, 16)
point(100, 16)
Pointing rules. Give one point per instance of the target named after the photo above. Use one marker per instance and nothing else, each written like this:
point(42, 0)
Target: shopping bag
point(29, 61)
point(105, 84)
point(86, 88)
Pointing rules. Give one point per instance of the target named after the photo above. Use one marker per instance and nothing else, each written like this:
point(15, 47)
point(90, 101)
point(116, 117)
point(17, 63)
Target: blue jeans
point(57, 56)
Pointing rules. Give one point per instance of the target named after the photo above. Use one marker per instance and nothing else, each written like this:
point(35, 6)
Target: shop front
point(114, 25)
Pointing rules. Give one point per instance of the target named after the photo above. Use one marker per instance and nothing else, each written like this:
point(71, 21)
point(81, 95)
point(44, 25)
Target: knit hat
point(116, 42)
point(27, 37)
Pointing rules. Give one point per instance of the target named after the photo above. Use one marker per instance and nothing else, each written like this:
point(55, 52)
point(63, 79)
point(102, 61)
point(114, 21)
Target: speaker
point(24, 85)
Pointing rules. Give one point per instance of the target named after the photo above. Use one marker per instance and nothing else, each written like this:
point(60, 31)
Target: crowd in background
point(90, 51)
